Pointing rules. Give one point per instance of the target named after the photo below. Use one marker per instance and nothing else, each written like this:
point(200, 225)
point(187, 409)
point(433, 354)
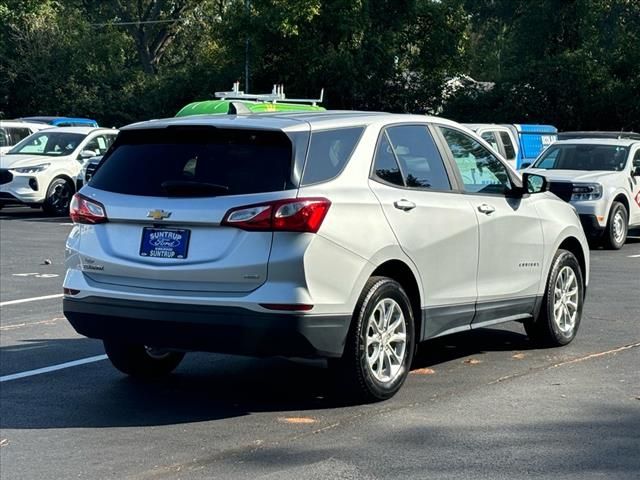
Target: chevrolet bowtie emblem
point(158, 214)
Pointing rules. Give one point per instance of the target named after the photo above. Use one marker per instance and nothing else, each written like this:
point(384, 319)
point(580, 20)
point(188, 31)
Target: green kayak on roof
point(237, 102)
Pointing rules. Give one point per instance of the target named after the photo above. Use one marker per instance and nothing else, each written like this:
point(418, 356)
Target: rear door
point(166, 192)
point(511, 242)
point(434, 224)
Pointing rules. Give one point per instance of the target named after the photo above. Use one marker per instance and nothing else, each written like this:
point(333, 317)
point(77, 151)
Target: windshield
point(583, 157)
point(49, 143)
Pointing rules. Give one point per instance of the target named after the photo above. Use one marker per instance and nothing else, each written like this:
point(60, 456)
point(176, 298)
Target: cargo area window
point(196, 162)
point(329, 152)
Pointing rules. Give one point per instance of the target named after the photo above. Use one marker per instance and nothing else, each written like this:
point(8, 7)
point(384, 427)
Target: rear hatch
point(165, 192)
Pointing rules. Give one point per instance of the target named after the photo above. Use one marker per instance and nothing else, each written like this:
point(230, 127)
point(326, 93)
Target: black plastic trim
point(209, 328)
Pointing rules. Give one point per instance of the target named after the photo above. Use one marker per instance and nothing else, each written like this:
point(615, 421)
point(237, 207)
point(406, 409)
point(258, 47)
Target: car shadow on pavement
point(204, 387)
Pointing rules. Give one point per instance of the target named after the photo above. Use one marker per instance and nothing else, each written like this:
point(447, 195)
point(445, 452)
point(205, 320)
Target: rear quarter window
point(198, 161)
point(329, 151)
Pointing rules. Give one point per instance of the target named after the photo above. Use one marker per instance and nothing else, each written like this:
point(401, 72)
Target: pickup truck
point(605, 177)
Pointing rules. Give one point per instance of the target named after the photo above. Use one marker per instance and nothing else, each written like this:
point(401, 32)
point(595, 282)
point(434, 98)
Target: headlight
point(31, 169)
point(586, 191)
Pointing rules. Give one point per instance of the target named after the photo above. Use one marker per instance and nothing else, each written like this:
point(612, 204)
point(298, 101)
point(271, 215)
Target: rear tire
point(380, 344)
point(141, 361)
point(58, 199)
point(617, 227)
point(561, 310)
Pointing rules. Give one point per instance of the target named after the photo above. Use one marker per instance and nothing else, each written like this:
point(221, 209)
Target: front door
point(511, 242)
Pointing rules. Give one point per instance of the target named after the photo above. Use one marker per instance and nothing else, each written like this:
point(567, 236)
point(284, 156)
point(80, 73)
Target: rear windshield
point(583, 157)
point(195, 162)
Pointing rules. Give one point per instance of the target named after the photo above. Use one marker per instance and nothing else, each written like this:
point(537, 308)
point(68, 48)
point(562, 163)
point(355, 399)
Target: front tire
point(561, 310)
point(380, 344)
point(58, 199)
point(617, 226)
point(141, 361)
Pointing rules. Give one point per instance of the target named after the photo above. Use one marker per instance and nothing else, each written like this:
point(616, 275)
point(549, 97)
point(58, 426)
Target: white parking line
point(32, 299)
point(52, 368)
point(634, 256)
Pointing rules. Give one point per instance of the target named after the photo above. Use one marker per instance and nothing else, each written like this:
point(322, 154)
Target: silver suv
point(605, 173)
point(350, 236)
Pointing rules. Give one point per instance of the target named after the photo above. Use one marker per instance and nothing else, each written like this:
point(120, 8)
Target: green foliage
point(570, 63)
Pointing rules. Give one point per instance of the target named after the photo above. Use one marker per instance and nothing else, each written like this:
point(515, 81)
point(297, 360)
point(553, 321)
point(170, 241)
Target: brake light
point(292, 215)
point(83, 210)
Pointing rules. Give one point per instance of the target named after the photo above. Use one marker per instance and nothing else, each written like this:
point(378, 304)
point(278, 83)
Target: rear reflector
point(287, 306)
point(291, 215)
point(84, 210)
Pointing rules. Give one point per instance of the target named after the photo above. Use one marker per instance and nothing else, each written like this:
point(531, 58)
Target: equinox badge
point(158, 214)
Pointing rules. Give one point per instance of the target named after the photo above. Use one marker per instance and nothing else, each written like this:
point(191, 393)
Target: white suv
point(41, 170)
point(345, 235)
point(606, 183)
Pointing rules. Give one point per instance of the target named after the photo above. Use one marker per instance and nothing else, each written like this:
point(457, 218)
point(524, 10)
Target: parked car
point(13, 131)
point(88, 169)
point(606, 183)
point(501, 138)
point(63, 121)
point(350, 236)
point(41, 169)
point(531, 140)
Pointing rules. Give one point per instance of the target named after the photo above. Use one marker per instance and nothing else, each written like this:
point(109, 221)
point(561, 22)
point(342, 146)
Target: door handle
point(404, 204)
point(486, 208)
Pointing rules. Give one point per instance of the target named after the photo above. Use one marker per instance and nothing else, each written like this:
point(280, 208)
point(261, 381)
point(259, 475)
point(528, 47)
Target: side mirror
point(525, 165)
point(635, 172)
point(533, 183)
point(87, 154)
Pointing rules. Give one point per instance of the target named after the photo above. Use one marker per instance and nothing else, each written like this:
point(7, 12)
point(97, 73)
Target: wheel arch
point(622, 198)
point(402, 273)
point(573, 245)
point(65, 177)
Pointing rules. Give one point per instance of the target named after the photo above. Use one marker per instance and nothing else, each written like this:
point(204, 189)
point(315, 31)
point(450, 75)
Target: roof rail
point(598, 134)
point(276, 95)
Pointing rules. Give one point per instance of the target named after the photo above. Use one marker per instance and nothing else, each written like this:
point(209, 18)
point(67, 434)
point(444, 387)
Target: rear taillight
point(292, 215)
point(84, 210)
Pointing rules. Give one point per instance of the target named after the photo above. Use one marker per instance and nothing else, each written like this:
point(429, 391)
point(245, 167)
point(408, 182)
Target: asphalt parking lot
point(483, 404)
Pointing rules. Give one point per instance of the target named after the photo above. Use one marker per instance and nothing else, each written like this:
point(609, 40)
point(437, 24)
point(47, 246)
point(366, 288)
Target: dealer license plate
point(164, 243)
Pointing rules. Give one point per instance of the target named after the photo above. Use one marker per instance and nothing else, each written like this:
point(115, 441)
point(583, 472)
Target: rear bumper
point(218, 329)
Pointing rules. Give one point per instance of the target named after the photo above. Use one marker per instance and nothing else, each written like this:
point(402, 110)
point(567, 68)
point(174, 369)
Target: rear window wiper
point(190, 187)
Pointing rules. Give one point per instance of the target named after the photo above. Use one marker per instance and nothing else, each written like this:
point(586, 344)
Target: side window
point(509, 149)
point(550, 159)
point(481, 171)
point(636, 159)
point(490, 138)
point(19, 134)
point(418, 157)
point(385, 164)
point(329, 152)
point(100, 144)
point(4, 138)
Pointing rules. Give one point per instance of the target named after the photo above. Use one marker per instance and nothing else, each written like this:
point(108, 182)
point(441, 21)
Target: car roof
point(290, 121)
point(20, 123)
point(48, 119)
point(477, 126)
point(82, 130)
point(619, 142)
